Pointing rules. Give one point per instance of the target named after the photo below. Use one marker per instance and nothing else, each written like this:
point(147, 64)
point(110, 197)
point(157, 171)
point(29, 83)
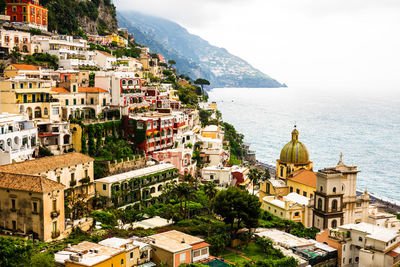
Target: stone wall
point(123, 165)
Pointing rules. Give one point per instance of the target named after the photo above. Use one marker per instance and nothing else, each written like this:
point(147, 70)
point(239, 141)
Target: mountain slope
point(193, 55)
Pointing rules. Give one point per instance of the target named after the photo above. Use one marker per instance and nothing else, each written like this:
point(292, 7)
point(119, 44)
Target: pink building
point(181, 158)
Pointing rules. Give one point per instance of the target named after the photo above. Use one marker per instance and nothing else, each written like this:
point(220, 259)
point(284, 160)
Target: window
point(35, 207)
point(13, 204)
point(334, 205)
point(91, 101)
point(296, 214)
point(74, 88)
point(344, 260)
point(356, 259)
point(311, 195)
point(74, 101)
point(122, 262)
point(72, 177)
point(21, 85)
point(182, 257)
point(54, 205)
point(344, 247)
point(291, 189)
point(204, 251)
point(321, 189)
point(104, 101)
point(196, 254)
point(304, 193)
point(82, 101)
point(104, 187)
point(56, 111)
point(131, 255)
point(360, 239)
point(66, 102)
point(320, 204)
point(86, 173)
point(46, 111)
point(58, 179)
point(30, 85)
point(14, 225)
point(13, 86)
point(334, 224)
point(350, 260)
point(298, 191)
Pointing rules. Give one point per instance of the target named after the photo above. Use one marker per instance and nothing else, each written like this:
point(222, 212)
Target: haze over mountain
point(194, 56)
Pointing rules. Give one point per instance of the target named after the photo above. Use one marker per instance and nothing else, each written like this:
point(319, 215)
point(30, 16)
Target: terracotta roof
point(40, 165)
point(105, 53)
point(91, 90)
point(28, 183)
point(305, 177)
point(59, 90)
point(200, 245)
point(24, 67)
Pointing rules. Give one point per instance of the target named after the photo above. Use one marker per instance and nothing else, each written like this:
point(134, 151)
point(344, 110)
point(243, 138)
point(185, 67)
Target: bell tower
point(328, 202)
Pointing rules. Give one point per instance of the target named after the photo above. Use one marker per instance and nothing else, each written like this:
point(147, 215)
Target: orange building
point(29, 12)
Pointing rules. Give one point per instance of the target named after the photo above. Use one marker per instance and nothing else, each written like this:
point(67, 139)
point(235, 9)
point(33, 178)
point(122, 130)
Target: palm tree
point(255, 177)
point(211, 191)
point(266, 175)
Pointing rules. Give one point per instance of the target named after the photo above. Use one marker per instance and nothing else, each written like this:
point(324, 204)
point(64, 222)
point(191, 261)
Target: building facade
point(18, 138)
point(29, 12)
point(31, 206)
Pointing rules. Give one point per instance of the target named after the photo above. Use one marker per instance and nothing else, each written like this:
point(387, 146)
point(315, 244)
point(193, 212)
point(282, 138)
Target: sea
point(363, 125)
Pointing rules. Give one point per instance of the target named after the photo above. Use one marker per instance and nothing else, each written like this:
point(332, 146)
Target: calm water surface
point(364, 126)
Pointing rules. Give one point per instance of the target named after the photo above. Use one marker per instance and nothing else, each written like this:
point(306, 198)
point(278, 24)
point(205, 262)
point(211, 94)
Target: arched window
point(334, 205)
point(334, 224)
point(334, 190)
point(46, 111)
point(159, 188)
point(152, 190)
point(320, 204)
point(321, 188)
point(130, 82)
point(281, 171)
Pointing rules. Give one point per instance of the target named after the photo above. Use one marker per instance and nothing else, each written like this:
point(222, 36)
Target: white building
point(125, 89)
point(104, 60)
point(367, 245)
point(72, 53)
point(220, 175)
point(18, 138)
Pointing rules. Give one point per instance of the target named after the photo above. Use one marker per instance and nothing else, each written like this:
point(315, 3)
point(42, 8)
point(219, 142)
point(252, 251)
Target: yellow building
point(31, 96)
point(211, 131)
point(91, 254)
point(121, 41)
point(294, 156)
point(31, 206)
point(292, 207)
point(302, 182)
point(28, 71)
point(132, 251)
point(273, 187)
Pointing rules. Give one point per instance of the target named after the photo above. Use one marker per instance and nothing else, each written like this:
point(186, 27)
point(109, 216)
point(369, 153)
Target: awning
point(149, 133)
point(148, 264)
point(155, 132)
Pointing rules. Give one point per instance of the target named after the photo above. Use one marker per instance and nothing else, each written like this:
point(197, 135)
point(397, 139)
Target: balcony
point(55, 214)
point(72, 183)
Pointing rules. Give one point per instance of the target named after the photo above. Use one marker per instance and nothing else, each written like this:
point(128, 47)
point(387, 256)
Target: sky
point(338, 43)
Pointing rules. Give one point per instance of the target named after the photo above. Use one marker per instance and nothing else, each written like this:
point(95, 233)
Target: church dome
point(295, 151)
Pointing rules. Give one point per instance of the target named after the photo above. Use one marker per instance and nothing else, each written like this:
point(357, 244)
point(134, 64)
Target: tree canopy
point(237, 208)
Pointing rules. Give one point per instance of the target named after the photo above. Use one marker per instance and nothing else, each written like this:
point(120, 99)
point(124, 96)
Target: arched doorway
point(66, 139)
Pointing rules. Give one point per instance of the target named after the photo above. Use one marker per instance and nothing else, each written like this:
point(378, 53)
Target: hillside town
point(110, 157)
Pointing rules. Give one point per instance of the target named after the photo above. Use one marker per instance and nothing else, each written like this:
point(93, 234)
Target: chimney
point(183, 240)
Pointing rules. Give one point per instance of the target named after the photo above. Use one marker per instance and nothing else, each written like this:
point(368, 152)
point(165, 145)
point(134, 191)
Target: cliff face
point(105, 21)
point(77, 17)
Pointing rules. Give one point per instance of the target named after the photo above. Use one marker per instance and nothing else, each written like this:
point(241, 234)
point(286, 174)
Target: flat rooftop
point(373, 231)
point(136, 173)
point(175, 241)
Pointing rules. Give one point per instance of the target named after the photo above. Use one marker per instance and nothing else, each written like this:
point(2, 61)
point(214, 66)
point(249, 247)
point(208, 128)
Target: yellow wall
point(114, 261)
point(163, 257)
point(76, 131)
point(289, 168)
point(287, 213)
point(301, 187)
